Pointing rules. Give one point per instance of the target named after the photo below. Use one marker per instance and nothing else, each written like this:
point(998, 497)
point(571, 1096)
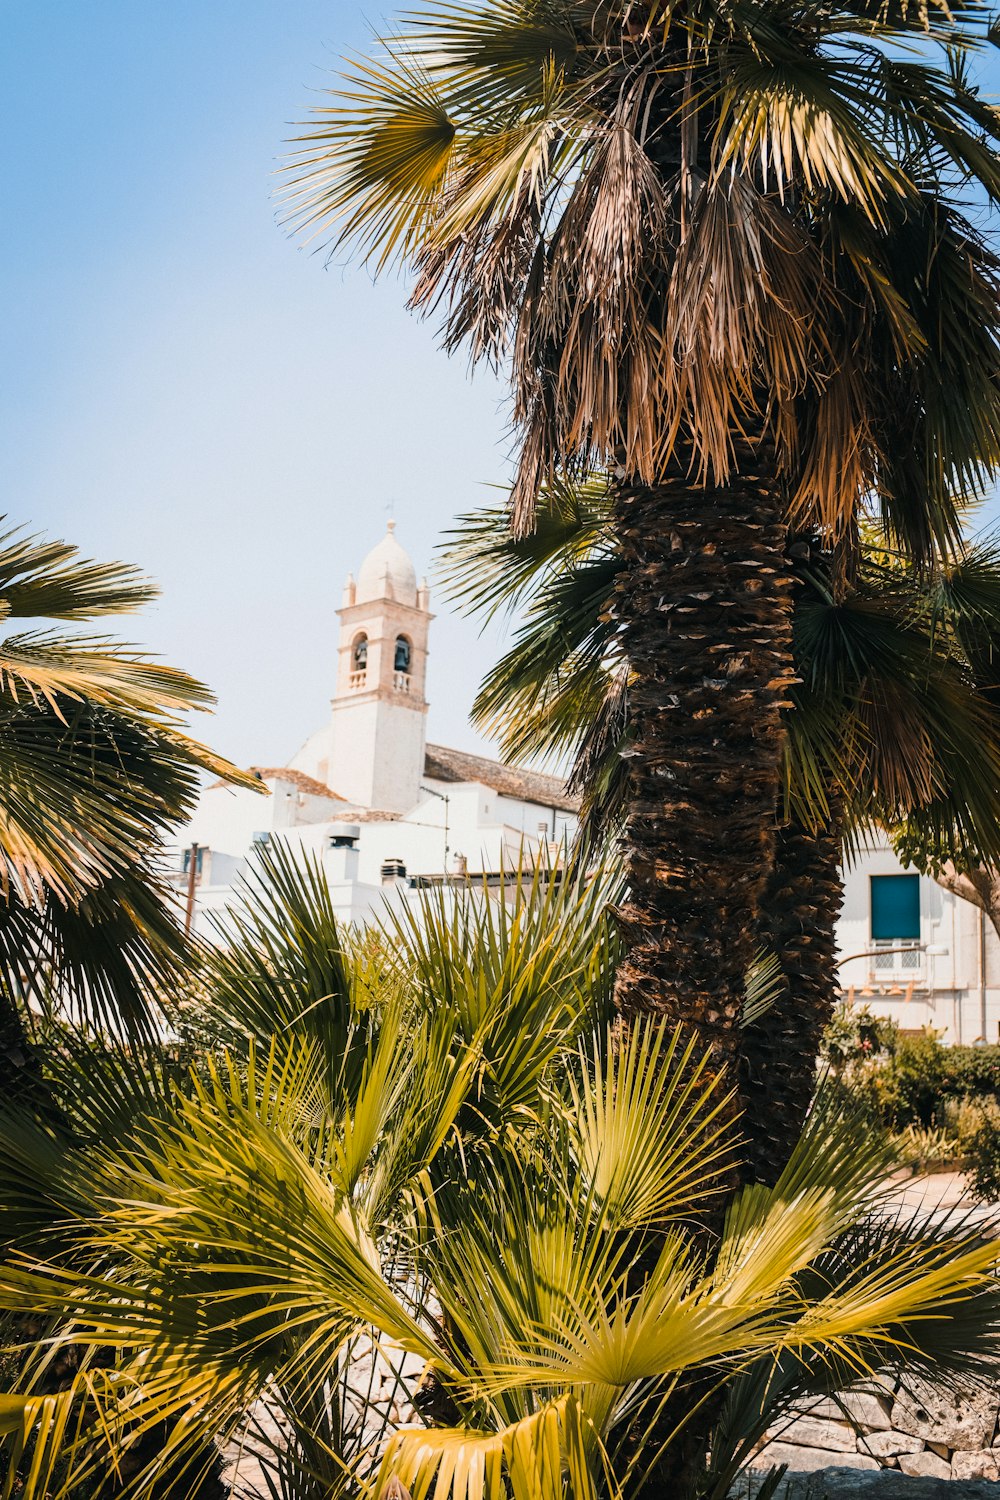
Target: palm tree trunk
point(705, 606)
point(799, 913)
point(704, 601)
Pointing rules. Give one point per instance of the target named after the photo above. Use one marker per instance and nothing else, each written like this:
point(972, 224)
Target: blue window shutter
point(896, 907)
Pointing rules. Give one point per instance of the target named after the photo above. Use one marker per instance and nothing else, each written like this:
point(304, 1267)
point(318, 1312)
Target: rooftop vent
point(344, 835)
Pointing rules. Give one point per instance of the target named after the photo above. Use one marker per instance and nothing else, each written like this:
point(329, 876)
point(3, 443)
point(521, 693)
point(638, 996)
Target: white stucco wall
point(490, 831)
point(952, 991)
point(227, 818)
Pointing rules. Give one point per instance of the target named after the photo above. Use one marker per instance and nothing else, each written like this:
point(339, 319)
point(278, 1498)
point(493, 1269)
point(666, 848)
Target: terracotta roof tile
point(441, 764)
point(296, 778)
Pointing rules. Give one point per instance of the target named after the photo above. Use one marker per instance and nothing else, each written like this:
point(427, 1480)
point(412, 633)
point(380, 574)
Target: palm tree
point(966, 599)
point(723, 251)
point(892, 720)
point(95, 769)
point(432, 1155)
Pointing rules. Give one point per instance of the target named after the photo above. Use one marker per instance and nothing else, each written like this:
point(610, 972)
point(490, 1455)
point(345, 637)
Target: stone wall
point(920, 1430)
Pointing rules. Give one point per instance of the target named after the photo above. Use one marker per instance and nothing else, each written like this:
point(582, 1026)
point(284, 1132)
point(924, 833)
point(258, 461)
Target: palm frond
point(282, 964)
point(531, 1456)
point(40, 579)
point(519, 975)
point(648, 1127)
point(486, 567)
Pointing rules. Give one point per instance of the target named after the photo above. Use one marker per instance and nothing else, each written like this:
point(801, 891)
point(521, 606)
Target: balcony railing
point(896, 961)
point(401, 682)
point(357, 680)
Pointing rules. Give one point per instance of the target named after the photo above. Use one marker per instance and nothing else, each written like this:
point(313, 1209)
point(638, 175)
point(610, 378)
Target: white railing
point(357, 680)
point(401, 682)
point(898, 961)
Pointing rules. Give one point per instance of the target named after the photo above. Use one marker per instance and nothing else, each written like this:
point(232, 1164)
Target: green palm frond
point(648, 1128)
point(563, 676)
point(40, 579)
point(519, 975)
point(394, 130)
point(82, 799)
point(119, 948)
point(43, 667)
point(487, 569)
point(96, 770)
point(914, 733)
point(534, 1456)
point(764, 985)
point(281, 962)
point(956, 1351)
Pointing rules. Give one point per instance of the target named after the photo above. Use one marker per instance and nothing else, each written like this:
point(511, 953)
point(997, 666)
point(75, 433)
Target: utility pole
point(192, 882)
point(442, 797)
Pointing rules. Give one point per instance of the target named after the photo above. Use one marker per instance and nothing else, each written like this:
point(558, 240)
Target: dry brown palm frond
point(837, 467)
point(481, 279)
point(629, 338)
point(741, 323)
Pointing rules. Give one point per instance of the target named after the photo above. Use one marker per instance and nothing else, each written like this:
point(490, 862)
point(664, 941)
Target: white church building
point(386, 813)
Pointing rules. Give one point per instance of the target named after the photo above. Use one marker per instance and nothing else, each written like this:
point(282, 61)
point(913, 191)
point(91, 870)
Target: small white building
point(383, 811)
point(915, 952)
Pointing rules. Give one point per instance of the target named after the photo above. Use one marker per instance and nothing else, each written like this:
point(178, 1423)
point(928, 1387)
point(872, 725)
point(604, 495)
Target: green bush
point(915, 1083)
point(983, 1154)
point(856, 1037)
point(971, 1071)
point(909, 1084)
point(941, 1104)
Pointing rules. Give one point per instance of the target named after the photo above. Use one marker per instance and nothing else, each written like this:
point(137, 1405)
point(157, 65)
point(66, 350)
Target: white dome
point(387, 573)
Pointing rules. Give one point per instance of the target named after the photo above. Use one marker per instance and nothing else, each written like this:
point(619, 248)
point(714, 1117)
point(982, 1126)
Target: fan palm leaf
point(505, 150)
point(96, 768)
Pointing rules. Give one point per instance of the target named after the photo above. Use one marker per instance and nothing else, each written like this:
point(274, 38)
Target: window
point(895, 918)
point(359, 662)
point(895, 906)
point(199, 860)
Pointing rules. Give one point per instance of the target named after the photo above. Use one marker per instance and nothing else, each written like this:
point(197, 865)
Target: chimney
point(393, 872)
point(342, 851)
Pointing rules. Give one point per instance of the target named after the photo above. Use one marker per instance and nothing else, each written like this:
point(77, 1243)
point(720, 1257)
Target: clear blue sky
point(187, 388)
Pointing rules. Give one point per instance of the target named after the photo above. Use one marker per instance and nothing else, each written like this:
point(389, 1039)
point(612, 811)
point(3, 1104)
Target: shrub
point(909, 1085)
point(975, 1123)
point(971, 1070)
point(925, 1147)
point(855, 1037)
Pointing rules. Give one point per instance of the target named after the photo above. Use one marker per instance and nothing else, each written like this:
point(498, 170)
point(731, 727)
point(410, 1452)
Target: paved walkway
point(933, 1190)
point(941, 1193)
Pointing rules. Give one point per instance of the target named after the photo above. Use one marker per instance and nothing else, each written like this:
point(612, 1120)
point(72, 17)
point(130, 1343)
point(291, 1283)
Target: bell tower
point(373, 752)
